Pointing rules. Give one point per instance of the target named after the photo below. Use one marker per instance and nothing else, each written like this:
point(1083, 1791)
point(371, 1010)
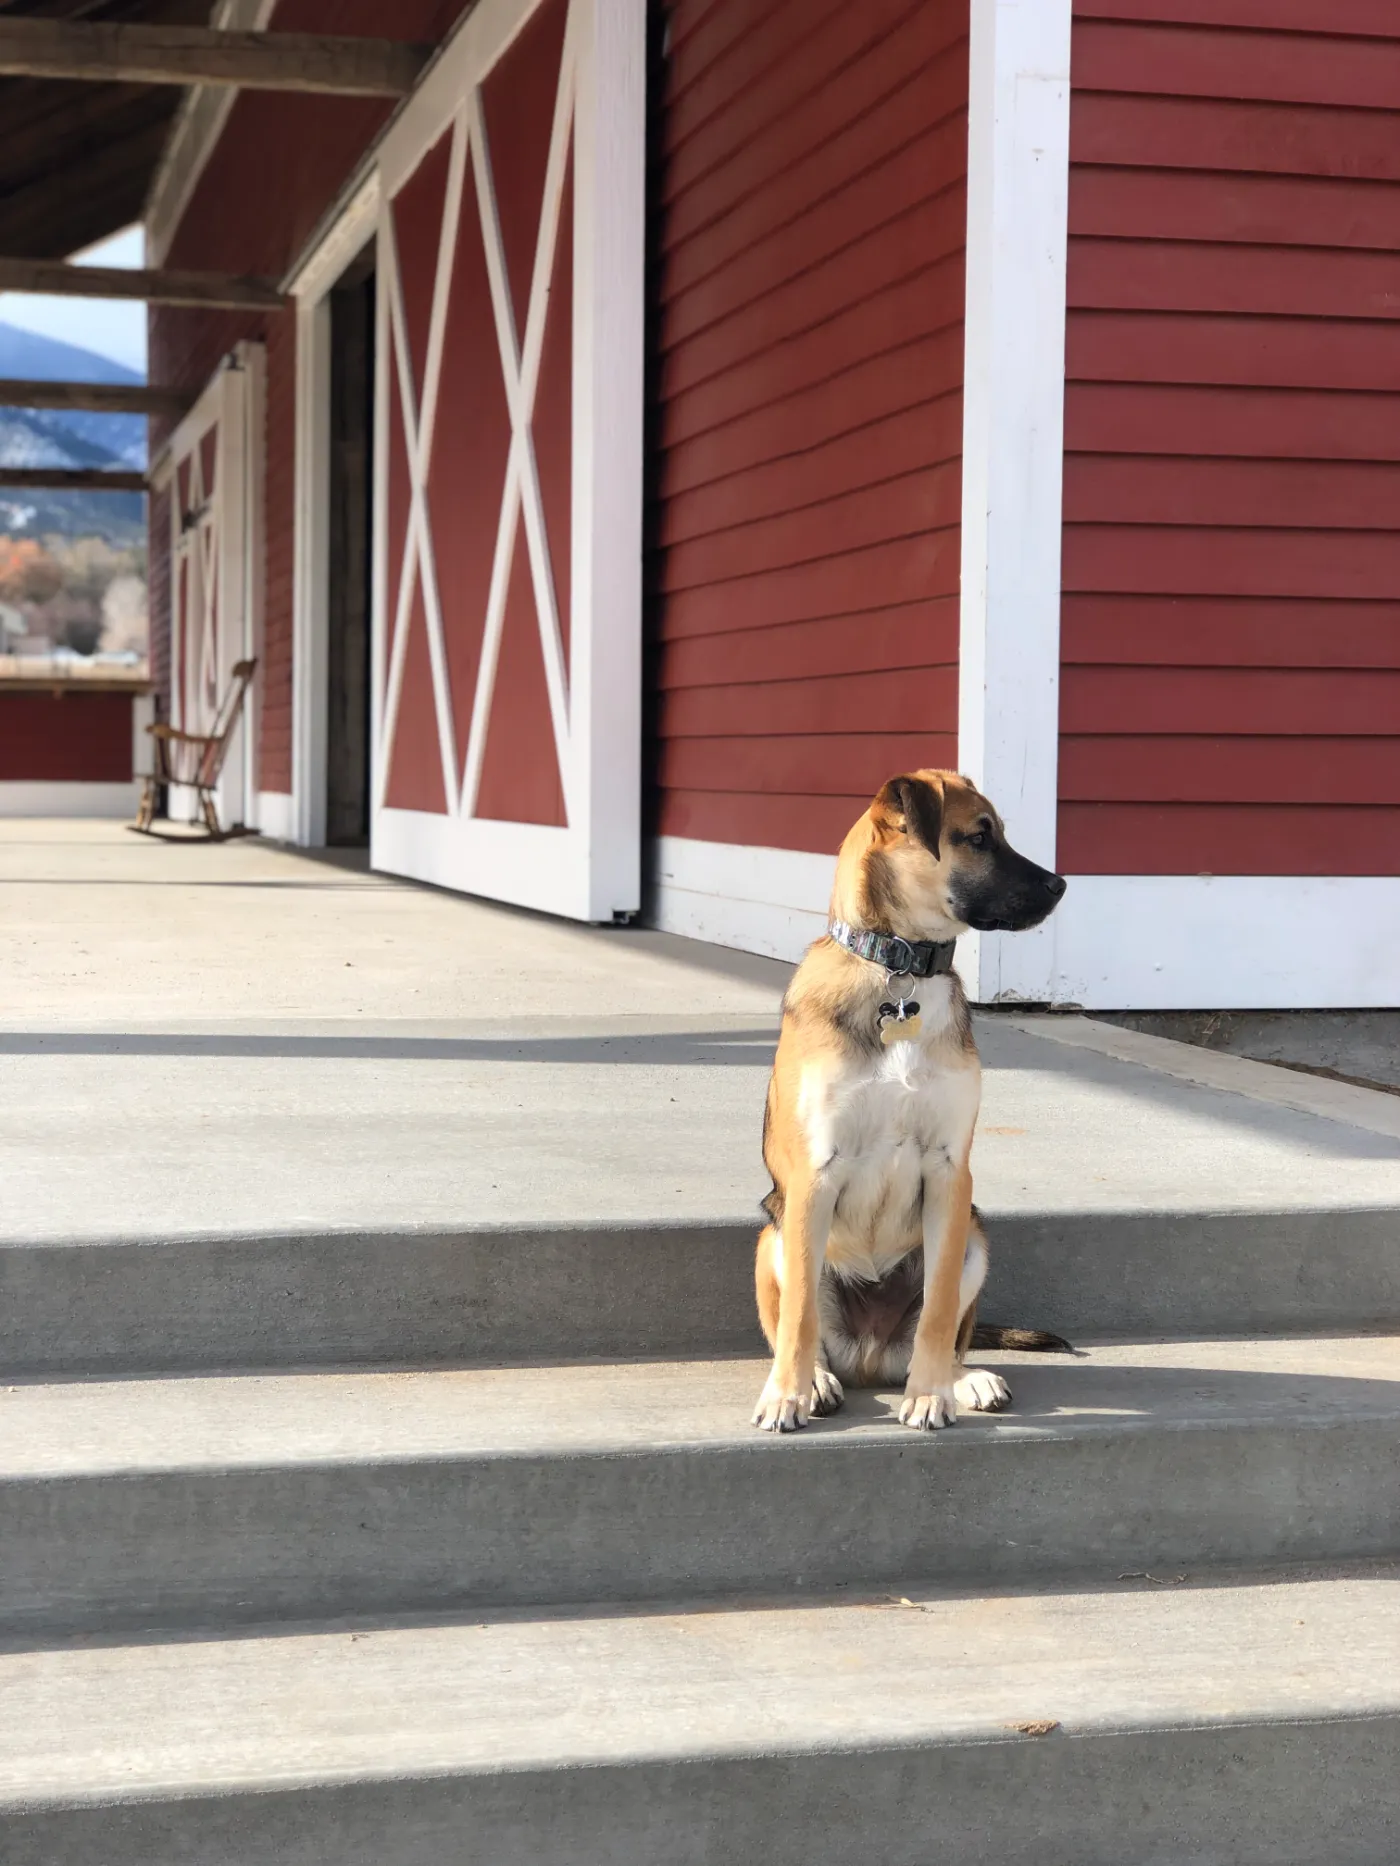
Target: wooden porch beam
point(70, 479)
point(115, 53)
point(106, 398)
point(156, 288)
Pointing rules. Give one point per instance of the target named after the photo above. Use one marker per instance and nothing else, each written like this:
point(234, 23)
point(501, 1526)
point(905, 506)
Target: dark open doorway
point(348, 592)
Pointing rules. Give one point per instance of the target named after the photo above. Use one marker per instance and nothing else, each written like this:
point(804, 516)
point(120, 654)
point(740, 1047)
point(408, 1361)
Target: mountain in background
point(44, 359)
point(63, 437)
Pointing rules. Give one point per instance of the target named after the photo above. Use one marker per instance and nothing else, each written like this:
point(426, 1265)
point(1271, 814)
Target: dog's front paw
point(929, 1412)
point(783, 1409)
point(981, 1390)
point(828, 1395)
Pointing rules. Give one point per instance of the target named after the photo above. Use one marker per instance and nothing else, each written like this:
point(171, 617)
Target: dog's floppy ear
point(913, 805)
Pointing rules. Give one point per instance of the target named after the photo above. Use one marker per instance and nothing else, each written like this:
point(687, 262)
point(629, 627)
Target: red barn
point(679, 419)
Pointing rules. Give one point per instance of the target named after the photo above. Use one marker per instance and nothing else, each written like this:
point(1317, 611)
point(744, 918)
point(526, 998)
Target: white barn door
point(213, 513)
point(507, 636)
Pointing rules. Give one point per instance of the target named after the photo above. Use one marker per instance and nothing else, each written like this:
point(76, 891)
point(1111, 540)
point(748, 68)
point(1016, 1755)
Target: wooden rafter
point(69, 479)
point(157, 288)
point(108, 398)
point(112, 52)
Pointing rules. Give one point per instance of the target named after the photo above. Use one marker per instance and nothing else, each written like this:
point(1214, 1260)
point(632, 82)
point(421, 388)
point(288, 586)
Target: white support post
point(1013, 447)
point(253, 360)
point(608, 493)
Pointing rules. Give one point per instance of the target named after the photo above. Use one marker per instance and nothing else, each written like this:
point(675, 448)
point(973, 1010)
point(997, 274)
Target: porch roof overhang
point(90, 91)
point(77, 157)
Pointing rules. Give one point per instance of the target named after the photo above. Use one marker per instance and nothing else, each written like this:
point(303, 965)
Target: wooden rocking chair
point(193, 759)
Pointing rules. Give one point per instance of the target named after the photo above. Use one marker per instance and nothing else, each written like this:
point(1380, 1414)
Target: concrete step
point(428, 1296)
point(1249, 1719)
point(182, 1501)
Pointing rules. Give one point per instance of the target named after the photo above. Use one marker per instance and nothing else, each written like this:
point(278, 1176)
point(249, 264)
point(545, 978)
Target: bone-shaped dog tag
point(906, 1032)
point(900, 1023)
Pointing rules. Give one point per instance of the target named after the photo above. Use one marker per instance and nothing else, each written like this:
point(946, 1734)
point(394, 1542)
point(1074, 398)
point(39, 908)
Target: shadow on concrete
point(1013, 1051)
point(142, 881)
point(901, 1594)
point(744, 1048)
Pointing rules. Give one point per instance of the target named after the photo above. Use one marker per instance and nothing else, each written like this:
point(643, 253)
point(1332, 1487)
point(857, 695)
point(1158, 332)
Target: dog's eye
point(979, 841)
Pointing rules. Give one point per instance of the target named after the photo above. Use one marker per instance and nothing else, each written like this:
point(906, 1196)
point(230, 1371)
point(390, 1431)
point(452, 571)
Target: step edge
point(42, 1802)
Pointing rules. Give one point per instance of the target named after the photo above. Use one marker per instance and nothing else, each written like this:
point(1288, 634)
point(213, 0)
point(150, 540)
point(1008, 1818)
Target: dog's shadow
point(1058, 1397)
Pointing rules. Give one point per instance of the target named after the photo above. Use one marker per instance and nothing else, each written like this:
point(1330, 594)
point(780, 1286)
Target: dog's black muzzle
point(1016, 894)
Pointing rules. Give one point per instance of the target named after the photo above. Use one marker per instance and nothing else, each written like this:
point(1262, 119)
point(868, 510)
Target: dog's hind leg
point(827, 1393)
point(976, 1389)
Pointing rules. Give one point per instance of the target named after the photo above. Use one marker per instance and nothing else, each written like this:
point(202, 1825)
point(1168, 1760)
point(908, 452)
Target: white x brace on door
point(507, 637)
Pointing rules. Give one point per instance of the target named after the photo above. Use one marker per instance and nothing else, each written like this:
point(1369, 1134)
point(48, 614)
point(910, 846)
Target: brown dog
point(871, 1267)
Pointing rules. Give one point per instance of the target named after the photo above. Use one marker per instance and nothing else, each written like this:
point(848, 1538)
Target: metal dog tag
point(896, 1032)
point(900, 1023)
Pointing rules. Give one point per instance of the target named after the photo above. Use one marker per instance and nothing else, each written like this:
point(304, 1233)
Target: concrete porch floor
point(237, 1038)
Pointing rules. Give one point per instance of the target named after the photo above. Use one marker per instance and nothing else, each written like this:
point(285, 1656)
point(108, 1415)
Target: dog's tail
point(1022, 1340)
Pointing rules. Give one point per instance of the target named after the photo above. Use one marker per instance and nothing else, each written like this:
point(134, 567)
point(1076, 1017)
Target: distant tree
point(76, 593)
point(29, 574)
point(124, 615)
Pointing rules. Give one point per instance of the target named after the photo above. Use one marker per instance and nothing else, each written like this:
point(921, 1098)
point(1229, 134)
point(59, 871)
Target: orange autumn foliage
point(28, 574)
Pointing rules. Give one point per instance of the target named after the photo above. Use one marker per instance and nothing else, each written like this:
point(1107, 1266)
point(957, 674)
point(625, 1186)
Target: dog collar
point(921, 958)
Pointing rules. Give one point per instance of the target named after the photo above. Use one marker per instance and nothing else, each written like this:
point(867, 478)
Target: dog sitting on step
point(870, 1269)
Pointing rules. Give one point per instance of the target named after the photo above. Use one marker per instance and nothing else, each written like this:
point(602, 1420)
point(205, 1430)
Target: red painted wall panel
point(1230, 700)
point(279, 164)
point(71, 738)
point(809, 214)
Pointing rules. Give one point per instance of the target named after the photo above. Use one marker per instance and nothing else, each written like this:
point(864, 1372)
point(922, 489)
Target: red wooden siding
point(71, 738)
point(809, 193)
point(520, 776)
point(414, 780)
point(278, 165)
point(1230, 698)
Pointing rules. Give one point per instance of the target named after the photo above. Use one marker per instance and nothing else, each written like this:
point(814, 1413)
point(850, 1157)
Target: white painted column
point(1013, 448)
point(609, 425)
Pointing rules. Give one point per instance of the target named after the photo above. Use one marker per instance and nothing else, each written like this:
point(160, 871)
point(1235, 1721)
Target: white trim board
point(25, 797)
point(1013, 425)
point(274, 816)
point(1117, 942)
point(143, 715)
point(769, 901)
point(1215, 943)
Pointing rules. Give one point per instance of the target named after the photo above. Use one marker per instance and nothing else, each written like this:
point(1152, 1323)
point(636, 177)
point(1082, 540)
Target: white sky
point(112, 327)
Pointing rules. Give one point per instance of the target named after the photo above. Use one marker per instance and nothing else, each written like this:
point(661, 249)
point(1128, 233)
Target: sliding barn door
point(214, 457)
point(508, 457)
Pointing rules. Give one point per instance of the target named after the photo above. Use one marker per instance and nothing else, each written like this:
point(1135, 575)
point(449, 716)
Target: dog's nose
point(1056, 885)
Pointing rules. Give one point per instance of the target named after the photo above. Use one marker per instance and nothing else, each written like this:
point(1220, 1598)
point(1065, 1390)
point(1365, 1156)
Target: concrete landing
point(1253, 1721)
point(230, 1040)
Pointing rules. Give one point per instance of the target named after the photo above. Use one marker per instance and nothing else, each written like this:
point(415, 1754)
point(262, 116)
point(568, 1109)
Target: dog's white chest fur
point(880, 1130)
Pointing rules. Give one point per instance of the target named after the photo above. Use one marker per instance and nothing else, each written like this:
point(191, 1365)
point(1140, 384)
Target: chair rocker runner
point(193, 759)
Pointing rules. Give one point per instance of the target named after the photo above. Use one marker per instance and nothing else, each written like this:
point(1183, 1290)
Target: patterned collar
point(921, 958)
